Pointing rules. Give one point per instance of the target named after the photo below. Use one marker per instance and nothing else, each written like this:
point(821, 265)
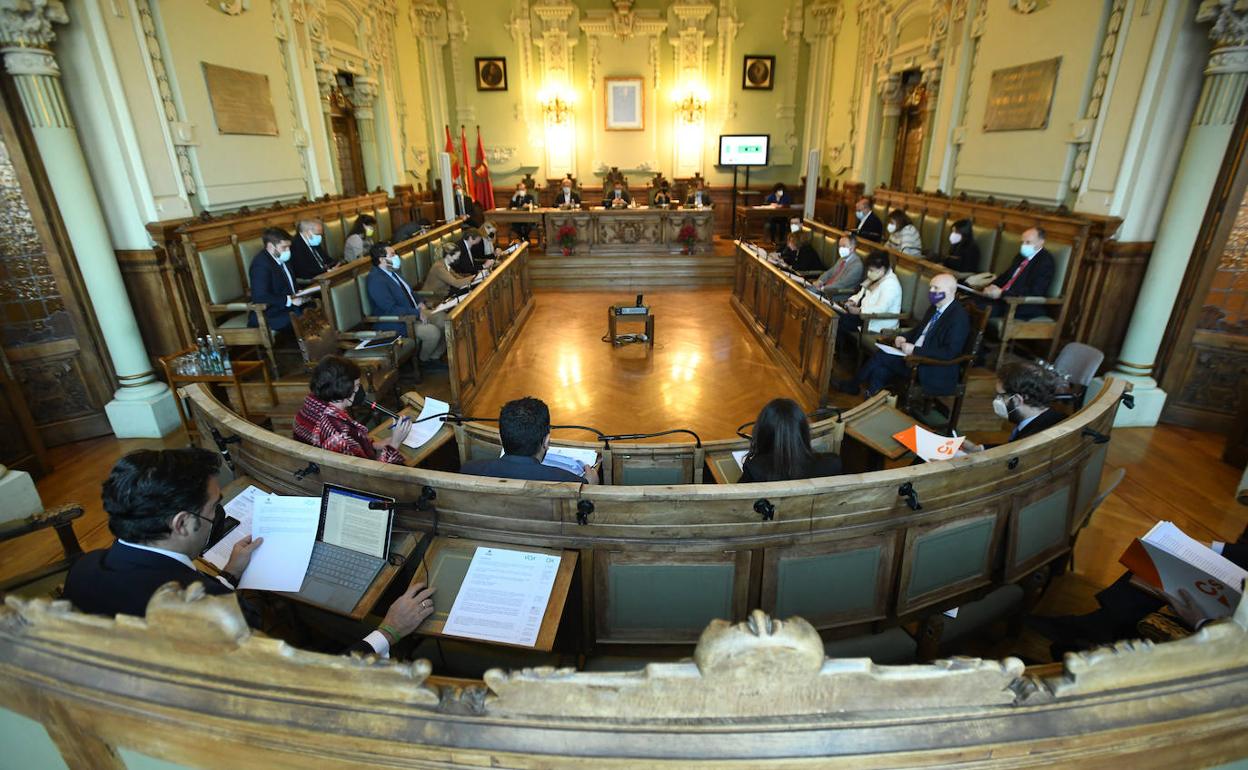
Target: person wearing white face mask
point(272, 283)
point(309, 256)
point(845, 275)
point(880, 294)
point(903, 236)
point(360, 239)
point(868, 225)
point(963, 256)
point(390, 295)
point(1029, 275)
point(567, 198)
point(1024, 392)
point(521, 200)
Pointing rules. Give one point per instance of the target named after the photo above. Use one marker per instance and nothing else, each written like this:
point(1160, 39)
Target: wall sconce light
point(691, 107)
point(556, 109)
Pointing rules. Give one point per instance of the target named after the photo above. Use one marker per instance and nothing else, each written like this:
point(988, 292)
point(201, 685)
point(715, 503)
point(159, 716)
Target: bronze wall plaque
point(1019, 97)
point(241, 101)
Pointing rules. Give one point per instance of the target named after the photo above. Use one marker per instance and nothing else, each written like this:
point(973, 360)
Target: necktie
point(289, 281)
point(1014, 277)
point(840, 267)
point(411, 298)
point(930, 324)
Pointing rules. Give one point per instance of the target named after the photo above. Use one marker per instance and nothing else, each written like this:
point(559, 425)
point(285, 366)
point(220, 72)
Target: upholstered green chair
point(986, 239)
point(932, 231)
point(346, 312)
point(335, 236)
point(385, 223)
point(1009, 327)
point(379, 367)
point(929, 407)
point(219, 274)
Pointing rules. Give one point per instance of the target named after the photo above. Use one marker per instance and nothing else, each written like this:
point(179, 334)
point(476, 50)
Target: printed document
point(569, 459)
point(422, 432)
point(503, 596)
point(930, 446)
point(889, 349)
point(240, 509)
point(1168, 560)
point(450, 303)
point(288, 526)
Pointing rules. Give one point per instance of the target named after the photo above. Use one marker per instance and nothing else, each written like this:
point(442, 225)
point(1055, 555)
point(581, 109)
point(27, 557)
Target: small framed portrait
point(491, 73)
point(625, 110)
point(758, 73)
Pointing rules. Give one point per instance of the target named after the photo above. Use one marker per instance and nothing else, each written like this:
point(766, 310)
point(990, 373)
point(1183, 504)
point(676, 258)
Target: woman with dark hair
point(778, 198)
point(360, 239)
point(963, 250)
point(325, 420)
point(880, 294)
point(903, 235)
point(780, 447)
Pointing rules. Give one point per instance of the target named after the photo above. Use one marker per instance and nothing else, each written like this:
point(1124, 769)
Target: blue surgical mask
point(860, 214)
point(395, 263)
point(935, 297)
point(1027, 250)
point(283, 256)
point(314, 240)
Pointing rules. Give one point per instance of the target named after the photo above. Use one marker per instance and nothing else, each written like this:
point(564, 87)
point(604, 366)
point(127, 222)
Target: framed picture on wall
point(625, 110)
point(491, 73)
point(758, 73)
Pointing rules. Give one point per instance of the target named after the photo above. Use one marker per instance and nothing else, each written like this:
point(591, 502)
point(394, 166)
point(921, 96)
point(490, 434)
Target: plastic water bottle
point(201, 354)
point(224, 349)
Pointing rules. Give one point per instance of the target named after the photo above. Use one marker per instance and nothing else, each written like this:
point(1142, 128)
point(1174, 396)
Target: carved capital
point(823, 20)
point(364, 95)
point(1229, 19)
point(428, 23)
point(28, 23)
point(30, 61)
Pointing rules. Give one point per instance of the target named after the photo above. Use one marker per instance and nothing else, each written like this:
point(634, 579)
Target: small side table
point(241, 369)
point(613, 319)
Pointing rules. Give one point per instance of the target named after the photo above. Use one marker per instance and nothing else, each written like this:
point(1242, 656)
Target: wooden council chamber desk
point(611, 232)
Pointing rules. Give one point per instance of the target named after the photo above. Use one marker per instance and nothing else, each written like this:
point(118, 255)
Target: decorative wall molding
point(282, 33)
point(230, 7)
point(428, 23)
point(1091, 114)
point(156, 56)
point(29, 25)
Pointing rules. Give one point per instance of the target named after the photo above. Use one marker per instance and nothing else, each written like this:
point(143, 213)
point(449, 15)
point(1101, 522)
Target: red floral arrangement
point(687, 235)
point(566, 237)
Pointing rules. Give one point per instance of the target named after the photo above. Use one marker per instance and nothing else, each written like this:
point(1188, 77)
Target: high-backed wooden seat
point(45, 582)
point(1010, 327)
point(921, 402)
point(379, 367)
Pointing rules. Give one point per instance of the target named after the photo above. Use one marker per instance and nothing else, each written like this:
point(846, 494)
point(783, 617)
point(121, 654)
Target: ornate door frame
point(47, 329)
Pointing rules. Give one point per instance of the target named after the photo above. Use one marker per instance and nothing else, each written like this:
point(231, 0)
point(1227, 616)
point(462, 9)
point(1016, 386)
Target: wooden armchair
point(379, 367)
point(219, 273)
point(1046, 326)
point(922, 405)
point(46, 581)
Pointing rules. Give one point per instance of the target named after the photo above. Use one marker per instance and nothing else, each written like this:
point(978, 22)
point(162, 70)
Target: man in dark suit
point(567, 198)
point(473, 257)
point(521, 200)
point(272, 284)
point(869, 225)
point(1024, 393)
point(778, 227)
point(698, 197)
point(390, 295)
point(940, 335)
point(616, 197)
point(1029, 275)
point(461, 200)
point(309, 256)
point(524, 427)
point(163, 507)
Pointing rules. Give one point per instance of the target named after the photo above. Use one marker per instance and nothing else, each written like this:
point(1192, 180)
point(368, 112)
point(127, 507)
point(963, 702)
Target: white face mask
point(875, 275)
point(1027, 250)
point(844, 251)
point(283, 256)
point(892, 227)
point(860, 214)
point(567, 191)
point(1001, 406)
point(394, 261)
point(794, 227)
point(955, 237)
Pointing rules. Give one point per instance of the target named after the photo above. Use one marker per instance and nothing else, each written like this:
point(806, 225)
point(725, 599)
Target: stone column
point(143, 406)
point(1226, 82)
point(931, 85)
point(363, 98)
point(890, 115)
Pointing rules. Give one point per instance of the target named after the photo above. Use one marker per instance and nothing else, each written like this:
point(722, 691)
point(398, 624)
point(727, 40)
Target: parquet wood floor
point(707, 373)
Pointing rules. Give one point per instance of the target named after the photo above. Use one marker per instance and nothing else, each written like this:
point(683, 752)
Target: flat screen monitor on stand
point(739, 150)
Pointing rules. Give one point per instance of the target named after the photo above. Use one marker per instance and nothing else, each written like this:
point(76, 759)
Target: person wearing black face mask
point(1024, 392)
point(163, 506)
point(325, 421)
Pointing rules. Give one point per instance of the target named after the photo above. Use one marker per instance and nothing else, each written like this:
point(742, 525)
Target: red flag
point(466, 179)
point(484, 185)
point(450, 150)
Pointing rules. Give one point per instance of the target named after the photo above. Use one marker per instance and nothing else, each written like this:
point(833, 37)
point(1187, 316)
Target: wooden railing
point(795, 326)
point(483, 326)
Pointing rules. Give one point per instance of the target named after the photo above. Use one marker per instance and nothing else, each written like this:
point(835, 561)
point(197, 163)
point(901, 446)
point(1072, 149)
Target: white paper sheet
point(503, 596)
point(373, 343)
point(739, 456)
point(889, 349)
point(313, 289)
point(570, 459)
point(288, 526)
point(239, 508)
point(422, 432)
point(1176, 542)
point(450, 303)
point(929, 446)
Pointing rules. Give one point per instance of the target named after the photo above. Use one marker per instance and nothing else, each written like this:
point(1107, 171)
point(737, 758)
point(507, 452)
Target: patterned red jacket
point(328, 427)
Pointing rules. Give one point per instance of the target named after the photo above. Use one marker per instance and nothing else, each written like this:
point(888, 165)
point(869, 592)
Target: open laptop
point(352, 545)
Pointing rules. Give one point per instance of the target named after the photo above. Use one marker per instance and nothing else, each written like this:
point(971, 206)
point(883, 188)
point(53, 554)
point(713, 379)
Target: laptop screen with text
point(347, 521)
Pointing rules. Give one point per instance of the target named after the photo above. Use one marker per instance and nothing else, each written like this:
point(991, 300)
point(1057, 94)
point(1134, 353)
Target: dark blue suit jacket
point(946, 340)
point(517, 467)
point(1034, 281)
point(307, 262)
point(782, 199)
point(871, 228)
point(388, 298)
point(269, 287)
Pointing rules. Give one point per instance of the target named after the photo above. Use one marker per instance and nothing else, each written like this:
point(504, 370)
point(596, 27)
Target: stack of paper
point(450, 303)
point(239, 509)
point(288, 526)
point(503, 596)
point(426, 425)
point(1170, 561)
point(569, 459)
point(889, 349)
point(929, 446)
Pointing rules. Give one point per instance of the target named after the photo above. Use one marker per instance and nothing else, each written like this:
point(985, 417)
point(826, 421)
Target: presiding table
point(618, 232)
